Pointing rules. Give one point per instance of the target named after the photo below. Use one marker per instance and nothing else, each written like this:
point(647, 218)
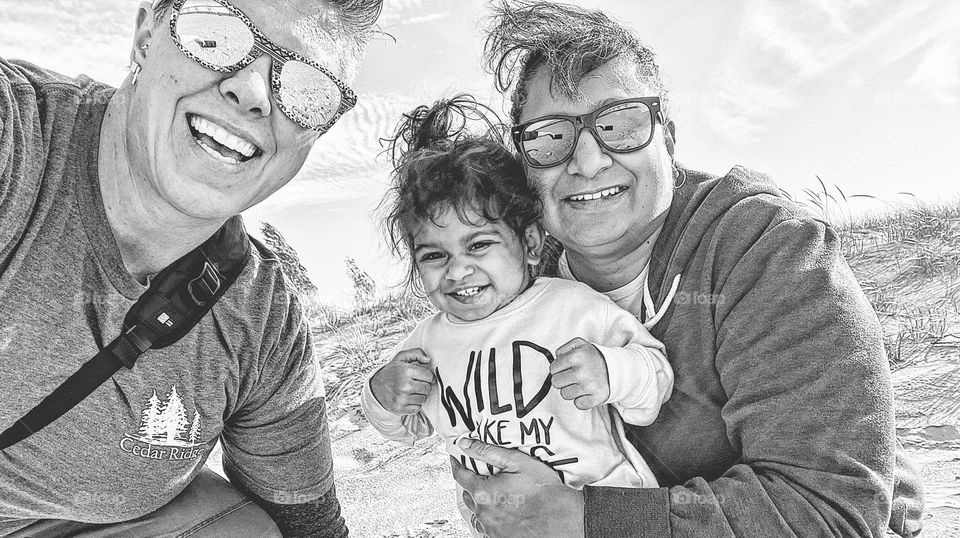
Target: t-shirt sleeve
point(20, 171)
point(277, 442)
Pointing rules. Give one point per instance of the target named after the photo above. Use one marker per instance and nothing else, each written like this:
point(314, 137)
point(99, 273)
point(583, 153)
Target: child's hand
point(403, 384)
point(580, 372)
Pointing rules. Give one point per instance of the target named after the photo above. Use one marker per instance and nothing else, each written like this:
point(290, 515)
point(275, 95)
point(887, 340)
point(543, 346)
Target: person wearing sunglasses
point(781, 421)
point(102, 188)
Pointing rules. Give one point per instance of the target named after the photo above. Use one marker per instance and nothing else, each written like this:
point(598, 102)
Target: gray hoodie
point(781, 421)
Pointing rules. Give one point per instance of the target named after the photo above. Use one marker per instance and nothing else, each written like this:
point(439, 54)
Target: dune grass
point(906, 258)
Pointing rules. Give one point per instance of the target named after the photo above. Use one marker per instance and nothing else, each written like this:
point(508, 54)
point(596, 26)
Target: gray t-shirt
point(246, 373)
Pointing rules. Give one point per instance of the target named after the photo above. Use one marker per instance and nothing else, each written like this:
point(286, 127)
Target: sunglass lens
point(548, 142)
point(309, 94)
point(625, 126)
point(212, 33)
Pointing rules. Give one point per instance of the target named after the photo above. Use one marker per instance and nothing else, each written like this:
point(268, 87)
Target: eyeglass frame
point(279, 55)
point(588, 121)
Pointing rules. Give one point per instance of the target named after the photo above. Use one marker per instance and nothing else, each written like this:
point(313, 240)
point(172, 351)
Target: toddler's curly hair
point(440, 165)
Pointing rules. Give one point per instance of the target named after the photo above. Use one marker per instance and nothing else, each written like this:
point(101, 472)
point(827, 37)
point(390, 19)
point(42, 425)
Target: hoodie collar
point(697, 205)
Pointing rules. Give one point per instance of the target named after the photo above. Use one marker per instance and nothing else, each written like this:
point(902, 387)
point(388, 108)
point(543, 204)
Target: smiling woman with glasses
point(622, 126)
point(781, 420)
point(106, 192)
point(218, 36)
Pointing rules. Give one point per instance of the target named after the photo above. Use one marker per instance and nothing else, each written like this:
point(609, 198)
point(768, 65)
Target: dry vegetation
point(906, 259)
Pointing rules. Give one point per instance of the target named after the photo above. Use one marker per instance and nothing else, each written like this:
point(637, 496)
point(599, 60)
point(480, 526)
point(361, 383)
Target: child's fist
point(580, 372)
point(403, 384)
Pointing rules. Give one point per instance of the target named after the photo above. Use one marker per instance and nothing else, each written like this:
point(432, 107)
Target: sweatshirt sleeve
point(799, 353)
point(406, 429)
point(640, 377)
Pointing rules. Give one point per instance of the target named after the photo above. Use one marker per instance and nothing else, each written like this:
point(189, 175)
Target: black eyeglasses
point(621, 127)
point(218, 36)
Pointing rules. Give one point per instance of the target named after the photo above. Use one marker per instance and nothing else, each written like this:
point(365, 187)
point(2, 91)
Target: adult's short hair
point(357, 18)
point(523, 35)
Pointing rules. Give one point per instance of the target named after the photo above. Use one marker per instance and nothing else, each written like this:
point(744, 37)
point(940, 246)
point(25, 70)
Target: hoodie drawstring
point(648, 301)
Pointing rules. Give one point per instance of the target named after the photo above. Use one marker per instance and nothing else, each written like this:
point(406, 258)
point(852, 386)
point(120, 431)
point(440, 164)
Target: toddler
point(543, 365)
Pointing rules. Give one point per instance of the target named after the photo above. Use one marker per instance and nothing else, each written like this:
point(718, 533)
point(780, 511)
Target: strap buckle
point(203, 288)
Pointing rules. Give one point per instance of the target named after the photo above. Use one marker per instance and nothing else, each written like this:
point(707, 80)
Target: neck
point(150, 232)
point(607, 268)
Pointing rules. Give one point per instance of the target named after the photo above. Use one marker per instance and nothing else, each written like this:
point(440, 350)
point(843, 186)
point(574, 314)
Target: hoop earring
point(681, 175)
point(134, 71)
point(135, 67)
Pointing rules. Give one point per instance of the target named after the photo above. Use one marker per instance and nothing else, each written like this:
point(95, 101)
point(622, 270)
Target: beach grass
point(906, 258)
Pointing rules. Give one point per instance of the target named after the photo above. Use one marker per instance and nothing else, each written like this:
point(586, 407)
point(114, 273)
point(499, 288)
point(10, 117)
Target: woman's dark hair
point(523, 35)
point(440, 165)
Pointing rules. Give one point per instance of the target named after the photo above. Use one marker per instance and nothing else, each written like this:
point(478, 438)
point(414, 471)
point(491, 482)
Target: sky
point(864, 94)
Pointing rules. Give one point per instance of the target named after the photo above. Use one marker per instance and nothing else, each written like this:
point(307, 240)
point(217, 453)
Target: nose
point(459, 268)
point(249, 88)
point(588, 158)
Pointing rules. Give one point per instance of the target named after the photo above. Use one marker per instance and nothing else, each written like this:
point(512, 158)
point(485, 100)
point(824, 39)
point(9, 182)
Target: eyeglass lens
point(215, 35)
point(622, 127)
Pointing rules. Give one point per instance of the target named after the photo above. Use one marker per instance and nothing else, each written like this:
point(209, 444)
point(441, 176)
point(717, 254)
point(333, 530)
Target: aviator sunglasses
point(620, 127)
point(218, 36)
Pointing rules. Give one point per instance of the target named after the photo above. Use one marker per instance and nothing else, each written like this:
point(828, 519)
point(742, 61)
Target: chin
point(473, 315)
point(593, 235)
point(204, 203)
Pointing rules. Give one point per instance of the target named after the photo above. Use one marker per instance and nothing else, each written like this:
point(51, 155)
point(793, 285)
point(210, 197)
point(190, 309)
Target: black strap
point(177, 299)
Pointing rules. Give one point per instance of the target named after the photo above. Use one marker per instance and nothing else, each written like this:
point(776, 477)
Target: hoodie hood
point(697, 205)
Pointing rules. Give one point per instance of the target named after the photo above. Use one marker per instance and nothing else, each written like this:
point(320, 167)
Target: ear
point(533, 238)
point(142, 33)
point(670, 136)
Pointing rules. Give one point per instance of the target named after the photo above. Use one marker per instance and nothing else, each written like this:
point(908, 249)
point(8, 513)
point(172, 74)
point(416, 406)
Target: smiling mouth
point(465, 293)
point(606, 193)
point(220, 143)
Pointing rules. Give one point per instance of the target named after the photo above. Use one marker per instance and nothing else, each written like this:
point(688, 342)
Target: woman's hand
point(526, 498)
point(580, 373)
point(403, 384)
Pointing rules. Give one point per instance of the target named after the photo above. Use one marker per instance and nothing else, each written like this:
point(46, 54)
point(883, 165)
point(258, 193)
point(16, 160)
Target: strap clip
point(203, 288)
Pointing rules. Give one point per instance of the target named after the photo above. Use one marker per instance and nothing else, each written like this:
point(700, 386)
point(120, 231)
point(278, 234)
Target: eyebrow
point(594, 105)
point(418, 248)
point(466, 240)
point(485, 231)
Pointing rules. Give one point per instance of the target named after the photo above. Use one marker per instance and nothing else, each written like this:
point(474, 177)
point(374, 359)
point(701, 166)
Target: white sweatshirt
point(492, 383)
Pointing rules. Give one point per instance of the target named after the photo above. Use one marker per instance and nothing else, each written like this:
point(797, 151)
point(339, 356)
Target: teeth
point(596, 195)
point(467, 292)
point(222, 136)
point(217, 155)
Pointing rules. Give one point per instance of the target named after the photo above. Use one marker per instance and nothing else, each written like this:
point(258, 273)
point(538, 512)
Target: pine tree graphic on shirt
point(195, 428)
point(165, 422)
point(149, 418)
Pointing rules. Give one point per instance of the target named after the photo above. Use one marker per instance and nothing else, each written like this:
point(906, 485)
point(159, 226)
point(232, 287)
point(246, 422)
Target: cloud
point(407, 11)
point(937, 77)
point(401, 5)
point(782, 48)
point(742, 108)
point(426, 18)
